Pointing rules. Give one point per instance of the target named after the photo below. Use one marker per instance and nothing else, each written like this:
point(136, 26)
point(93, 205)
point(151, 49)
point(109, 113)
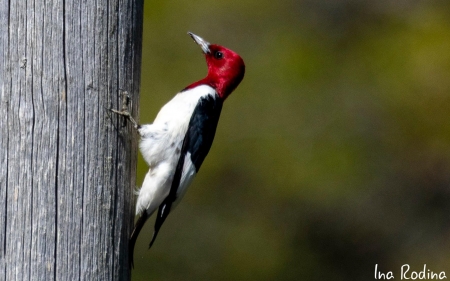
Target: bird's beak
point(203, 44)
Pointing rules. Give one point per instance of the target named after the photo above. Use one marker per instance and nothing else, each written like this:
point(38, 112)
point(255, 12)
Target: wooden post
point(67, 166)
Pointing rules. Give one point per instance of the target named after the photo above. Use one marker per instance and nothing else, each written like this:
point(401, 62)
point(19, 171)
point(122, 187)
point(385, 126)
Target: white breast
point(161, 147)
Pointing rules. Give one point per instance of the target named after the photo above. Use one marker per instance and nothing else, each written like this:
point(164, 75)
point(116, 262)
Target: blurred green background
point(333, 154)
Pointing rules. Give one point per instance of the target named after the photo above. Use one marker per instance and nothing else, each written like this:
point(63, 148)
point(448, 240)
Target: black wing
point(198, 141)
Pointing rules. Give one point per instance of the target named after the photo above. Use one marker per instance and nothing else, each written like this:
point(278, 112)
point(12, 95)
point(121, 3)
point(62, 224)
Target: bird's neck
point(218, 84)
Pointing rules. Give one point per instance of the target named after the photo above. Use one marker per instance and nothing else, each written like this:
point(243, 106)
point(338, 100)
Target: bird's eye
point(218, 55)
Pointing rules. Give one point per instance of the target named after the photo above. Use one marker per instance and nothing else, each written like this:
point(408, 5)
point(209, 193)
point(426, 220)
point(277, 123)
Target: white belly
point(161, 144)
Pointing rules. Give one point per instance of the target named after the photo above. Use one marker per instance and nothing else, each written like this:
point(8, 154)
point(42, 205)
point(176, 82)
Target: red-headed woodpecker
point(179, 139)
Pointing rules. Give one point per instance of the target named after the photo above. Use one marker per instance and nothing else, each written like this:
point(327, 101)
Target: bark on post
point(67, 167)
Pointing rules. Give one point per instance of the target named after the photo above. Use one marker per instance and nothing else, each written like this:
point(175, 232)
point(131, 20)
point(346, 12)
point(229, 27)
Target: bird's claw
point(125, 112)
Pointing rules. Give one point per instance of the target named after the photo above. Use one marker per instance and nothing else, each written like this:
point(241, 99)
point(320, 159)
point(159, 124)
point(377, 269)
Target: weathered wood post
point(67, 167)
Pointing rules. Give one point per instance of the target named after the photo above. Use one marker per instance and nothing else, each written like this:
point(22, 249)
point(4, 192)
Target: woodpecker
point(176, 143)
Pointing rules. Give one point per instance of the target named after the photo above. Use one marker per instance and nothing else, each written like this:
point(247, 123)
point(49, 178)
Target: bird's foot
point(126, 100)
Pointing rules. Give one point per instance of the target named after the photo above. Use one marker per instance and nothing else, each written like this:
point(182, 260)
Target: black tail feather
point(134, 235)
point(163, 212)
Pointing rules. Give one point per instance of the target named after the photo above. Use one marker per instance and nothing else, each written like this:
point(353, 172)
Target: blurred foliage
point(332, 155)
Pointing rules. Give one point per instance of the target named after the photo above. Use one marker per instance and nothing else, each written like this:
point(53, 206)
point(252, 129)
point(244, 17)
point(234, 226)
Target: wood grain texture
point(67, 167)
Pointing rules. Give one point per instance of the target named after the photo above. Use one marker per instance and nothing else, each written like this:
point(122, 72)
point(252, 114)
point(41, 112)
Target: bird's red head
point(225, 68)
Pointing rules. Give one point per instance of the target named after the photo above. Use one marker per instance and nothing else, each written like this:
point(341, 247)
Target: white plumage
point(160, 146)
